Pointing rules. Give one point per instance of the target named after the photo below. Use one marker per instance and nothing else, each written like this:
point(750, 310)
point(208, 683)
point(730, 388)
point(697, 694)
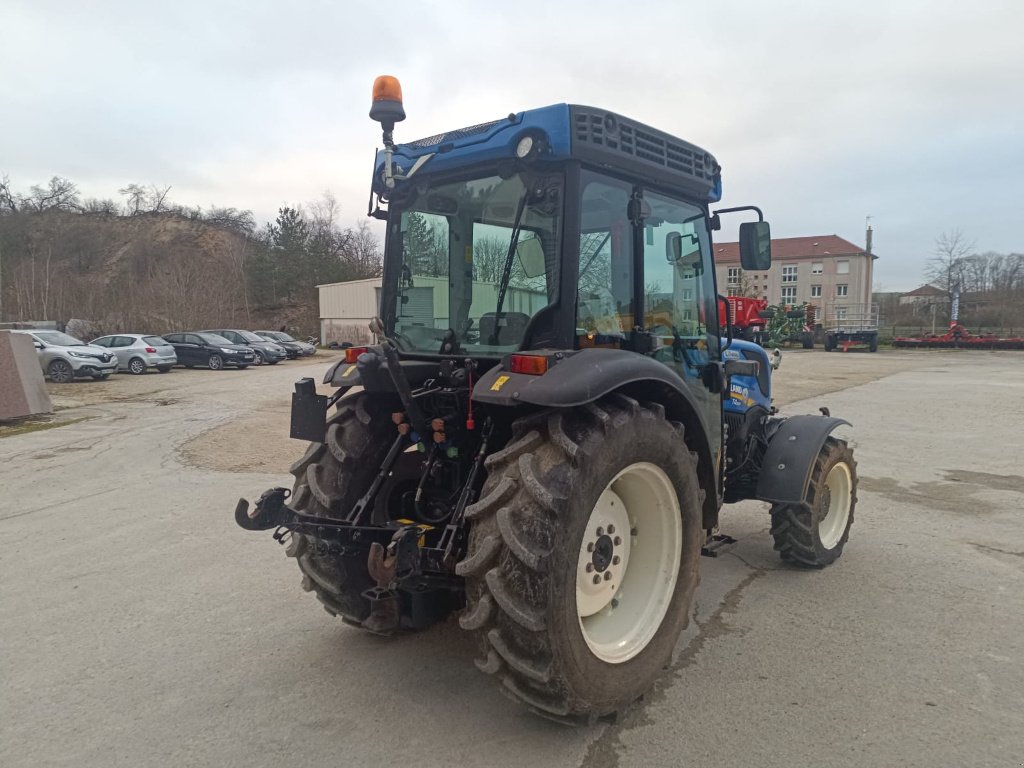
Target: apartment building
point(824, 270)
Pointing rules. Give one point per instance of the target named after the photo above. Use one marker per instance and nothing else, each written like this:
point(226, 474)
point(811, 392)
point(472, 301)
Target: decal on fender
point(499, 383)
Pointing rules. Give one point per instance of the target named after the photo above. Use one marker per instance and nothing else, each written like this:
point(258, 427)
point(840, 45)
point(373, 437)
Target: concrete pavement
point(139, 626)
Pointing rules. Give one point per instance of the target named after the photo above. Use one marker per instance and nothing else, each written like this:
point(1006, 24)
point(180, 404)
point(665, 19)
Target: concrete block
point(22, 387)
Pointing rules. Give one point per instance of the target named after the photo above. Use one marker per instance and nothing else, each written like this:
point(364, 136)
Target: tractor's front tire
point(814, 535)
point(583, 557)
point(329, 479)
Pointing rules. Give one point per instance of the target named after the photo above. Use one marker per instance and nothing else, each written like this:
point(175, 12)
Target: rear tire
point(137, 366)
point(329, 479)
point(814, 537)
point(873, 344)
point(530, 601)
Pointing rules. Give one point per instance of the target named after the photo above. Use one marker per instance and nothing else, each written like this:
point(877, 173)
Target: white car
point(137, 353)
point(64, 358)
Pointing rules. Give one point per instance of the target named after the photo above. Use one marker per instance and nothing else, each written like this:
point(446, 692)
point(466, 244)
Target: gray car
point(64, 358)
point(266, 351)
point(293, 347)
point(137, 353)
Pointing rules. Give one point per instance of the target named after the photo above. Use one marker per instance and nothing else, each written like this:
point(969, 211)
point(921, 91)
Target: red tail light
point(531, 364)
point(352, 353)
point(151, 350)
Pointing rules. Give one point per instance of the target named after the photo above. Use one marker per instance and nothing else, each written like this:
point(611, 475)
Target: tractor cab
point(566, 232)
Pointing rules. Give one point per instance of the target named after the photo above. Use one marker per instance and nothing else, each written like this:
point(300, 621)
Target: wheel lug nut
point(617, 540)
point(597, 579)
point(607, 576)
point(590, 567)
point(616, 560)
point(615, 602)
point(611, 529)
point(632, 531)
point(590, 546)
point(600, 531)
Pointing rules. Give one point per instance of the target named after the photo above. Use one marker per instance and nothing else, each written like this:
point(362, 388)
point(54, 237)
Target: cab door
point(680, 309)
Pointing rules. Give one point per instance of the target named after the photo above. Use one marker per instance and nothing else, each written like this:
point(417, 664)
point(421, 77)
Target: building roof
point(925, 290)
point(786, 248)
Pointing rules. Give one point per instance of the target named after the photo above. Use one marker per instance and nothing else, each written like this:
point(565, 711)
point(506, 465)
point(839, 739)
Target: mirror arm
point(754, 208)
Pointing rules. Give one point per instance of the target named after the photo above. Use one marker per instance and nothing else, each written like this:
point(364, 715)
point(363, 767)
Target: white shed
point(346, 308)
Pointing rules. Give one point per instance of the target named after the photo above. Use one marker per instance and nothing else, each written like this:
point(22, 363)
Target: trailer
point(848, 326)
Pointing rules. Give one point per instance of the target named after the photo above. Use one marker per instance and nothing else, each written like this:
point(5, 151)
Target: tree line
point(145, 263)
point(991, 284)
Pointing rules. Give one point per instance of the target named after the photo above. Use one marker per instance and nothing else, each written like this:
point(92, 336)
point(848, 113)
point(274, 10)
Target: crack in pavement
point(604, 751)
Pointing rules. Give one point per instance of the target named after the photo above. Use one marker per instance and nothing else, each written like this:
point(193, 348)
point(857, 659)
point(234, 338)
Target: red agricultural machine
point(958, 337)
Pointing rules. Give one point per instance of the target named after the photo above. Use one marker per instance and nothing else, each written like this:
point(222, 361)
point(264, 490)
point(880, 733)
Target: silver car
point(137, 353)
point(64, 358)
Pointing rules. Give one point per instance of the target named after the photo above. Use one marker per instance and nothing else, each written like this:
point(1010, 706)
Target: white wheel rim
point(632, 545)
point(836, 506)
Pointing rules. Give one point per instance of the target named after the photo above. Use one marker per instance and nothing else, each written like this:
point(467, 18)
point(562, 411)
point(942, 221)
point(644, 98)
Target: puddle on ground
point(1014, 483)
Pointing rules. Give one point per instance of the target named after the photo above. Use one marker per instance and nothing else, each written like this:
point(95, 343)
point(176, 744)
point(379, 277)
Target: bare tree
point(60, 194)
point(135, 198)
point(8, 202)
point(947, 268)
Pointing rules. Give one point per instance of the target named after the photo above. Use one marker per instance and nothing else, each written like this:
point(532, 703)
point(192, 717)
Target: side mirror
point(531, 257)
point(682, 249)
point(37, 344)
point(755, 246)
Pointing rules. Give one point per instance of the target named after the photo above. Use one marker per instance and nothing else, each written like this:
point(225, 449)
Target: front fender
point(789, 459)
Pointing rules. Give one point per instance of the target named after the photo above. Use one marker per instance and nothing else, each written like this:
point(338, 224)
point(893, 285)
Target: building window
point(734, 275)
point(842, 267)
point(817, 268)
point(815, 291)
point(789, 274)
point(788, 293)
point(842, 289)
point(840, 313)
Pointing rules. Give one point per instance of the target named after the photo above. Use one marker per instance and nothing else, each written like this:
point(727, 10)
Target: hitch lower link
point(387, 565)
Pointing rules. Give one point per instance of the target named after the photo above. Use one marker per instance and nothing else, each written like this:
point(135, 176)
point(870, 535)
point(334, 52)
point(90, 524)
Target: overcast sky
point(821, 113)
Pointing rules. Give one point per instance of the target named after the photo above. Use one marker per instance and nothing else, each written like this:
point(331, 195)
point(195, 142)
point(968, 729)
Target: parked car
point(64, 358)
point(210, 350)
point(294, 347)
point(137, 353)
point(264, 350)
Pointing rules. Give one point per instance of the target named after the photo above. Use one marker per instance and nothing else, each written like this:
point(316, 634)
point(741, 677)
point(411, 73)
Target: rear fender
point(590, 374)
point(790, 456)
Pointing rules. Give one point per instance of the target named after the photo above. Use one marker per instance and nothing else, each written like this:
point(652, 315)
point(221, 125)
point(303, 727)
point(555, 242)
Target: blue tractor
point(551, 419)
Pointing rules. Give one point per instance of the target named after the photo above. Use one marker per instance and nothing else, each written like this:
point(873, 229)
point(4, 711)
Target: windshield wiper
point(506, 273)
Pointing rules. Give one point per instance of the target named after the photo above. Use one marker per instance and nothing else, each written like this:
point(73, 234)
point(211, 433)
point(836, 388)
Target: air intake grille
point(612, 132)
point(461, 133)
